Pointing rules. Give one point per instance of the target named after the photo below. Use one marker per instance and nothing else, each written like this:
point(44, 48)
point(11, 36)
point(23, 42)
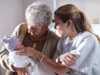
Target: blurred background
point(12, 12)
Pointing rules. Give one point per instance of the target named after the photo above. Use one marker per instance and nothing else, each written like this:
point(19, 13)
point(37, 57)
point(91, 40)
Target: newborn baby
point(12, 44)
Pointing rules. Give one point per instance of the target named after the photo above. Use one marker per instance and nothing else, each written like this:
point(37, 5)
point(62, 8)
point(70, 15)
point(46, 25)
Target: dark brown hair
point(71, 12)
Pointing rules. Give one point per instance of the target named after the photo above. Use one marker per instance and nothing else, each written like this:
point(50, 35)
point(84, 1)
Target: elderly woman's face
point(37, 30)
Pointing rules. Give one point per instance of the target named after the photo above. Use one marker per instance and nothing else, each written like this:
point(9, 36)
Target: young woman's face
point(62, 28)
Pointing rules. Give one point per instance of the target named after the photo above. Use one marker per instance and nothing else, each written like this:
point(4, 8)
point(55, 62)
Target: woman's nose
point(58, 27)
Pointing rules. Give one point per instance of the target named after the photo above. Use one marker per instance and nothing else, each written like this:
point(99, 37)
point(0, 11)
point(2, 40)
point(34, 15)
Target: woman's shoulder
point(86, 35)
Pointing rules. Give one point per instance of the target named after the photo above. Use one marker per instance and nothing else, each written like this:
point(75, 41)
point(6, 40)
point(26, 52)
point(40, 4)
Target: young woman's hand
point(68, 59)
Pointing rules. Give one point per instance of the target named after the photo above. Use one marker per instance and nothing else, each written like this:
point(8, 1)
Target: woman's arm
point(57, 67)
point(35, 54)
point(86, 48)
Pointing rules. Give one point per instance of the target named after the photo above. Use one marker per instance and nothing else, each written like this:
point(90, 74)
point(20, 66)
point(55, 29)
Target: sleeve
point(4, 61)
point(86, 49)
point(95, 66)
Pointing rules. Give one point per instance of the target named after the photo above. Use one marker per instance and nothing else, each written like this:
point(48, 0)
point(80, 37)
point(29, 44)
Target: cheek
point(68, 30)
point(59, 28)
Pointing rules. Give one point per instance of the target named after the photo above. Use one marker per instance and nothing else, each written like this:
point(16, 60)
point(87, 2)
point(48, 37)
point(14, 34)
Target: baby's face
point(12, 43)
point(19, 45)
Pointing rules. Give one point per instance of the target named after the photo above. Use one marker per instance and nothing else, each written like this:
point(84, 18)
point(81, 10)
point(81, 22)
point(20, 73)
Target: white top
point(87, 45)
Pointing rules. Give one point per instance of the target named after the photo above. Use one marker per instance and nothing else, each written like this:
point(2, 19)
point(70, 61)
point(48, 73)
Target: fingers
point(28, 51)
point(71, 56)
point(21, 52)
point(68, 59)
point(21, 71)
point(58, 60)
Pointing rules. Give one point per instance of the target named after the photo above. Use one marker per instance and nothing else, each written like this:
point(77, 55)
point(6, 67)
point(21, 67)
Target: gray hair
point(38, 13)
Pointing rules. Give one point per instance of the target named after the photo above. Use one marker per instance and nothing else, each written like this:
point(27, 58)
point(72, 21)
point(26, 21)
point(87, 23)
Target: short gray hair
point(37, 13)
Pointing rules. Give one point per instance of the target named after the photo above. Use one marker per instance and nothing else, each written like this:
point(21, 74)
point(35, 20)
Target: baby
point(12, 44)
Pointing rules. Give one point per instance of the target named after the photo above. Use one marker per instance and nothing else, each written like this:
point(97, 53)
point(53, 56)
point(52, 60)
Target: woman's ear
point(72, 26)
point(69, 23)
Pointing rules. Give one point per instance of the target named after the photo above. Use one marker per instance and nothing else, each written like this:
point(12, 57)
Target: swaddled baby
point(12, 44)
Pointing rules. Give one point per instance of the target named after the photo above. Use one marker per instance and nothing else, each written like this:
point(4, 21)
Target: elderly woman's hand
point(67, 59)
point(29, 51)
point(20, 71)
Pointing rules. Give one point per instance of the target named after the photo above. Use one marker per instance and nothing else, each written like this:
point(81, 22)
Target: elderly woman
point(78, 46)
point(39, 43)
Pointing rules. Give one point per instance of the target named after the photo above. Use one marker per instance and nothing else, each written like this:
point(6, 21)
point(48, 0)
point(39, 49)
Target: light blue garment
point(95, 66)
point(87, 45)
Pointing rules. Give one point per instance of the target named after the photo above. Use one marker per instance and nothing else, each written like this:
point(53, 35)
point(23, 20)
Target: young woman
point(78, 44)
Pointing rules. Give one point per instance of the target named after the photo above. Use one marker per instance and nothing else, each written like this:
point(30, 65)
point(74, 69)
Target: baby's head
point(11, 43)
